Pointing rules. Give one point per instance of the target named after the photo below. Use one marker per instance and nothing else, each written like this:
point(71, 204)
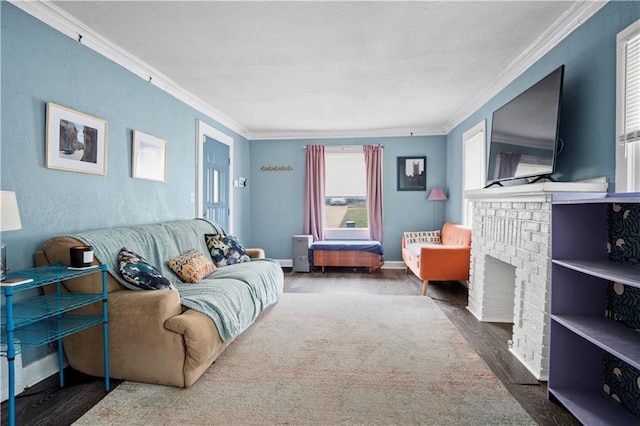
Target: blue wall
point(41, 65)
point(277, 198)
point(588, 115)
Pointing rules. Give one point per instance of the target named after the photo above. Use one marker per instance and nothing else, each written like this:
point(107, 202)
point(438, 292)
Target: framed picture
point(76, 142)
point(412, 173)
point(149, 157)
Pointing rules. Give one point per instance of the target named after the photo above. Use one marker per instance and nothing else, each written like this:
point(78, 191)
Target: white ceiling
point(304, 69)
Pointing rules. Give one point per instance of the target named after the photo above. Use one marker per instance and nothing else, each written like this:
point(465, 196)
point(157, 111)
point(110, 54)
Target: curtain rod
point(341, 146)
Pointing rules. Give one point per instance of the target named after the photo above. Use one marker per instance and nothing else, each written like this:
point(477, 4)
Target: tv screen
point(524, 132)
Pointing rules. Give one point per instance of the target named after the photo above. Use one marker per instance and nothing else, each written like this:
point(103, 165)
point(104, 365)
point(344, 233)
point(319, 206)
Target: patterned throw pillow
point(422, 237)
point(225, 249)
point(136, 270)
point(191, 266)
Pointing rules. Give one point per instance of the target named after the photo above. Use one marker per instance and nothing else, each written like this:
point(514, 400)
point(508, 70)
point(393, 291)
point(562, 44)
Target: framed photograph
point(76, 142)
point(412, 173)
point(149, 157)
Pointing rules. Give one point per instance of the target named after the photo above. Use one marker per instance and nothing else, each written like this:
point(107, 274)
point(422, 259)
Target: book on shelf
point(16, 281)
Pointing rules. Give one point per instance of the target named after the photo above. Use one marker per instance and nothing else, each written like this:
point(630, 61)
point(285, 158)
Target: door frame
point(468, 136)
point(206, 130)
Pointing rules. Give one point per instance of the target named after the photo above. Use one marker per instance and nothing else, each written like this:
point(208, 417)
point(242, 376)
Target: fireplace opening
point(499, 290)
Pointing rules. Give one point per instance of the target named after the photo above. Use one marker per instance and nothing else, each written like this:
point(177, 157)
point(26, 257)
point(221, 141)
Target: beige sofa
point(153, 338)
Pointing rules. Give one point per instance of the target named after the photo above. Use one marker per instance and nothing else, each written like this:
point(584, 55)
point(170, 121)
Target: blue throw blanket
point(232, 296)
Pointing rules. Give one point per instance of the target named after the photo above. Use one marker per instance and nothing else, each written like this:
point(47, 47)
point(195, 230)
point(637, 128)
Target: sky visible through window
point(345, 174)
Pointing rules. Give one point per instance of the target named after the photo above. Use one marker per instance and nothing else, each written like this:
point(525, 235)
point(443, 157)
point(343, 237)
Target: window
point(628, 110)
point(473, 166)
point(345, 193)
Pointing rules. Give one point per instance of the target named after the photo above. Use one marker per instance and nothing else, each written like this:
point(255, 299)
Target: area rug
point(331, 359)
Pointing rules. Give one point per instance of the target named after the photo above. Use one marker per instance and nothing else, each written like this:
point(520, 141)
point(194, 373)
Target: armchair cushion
point(415, 248)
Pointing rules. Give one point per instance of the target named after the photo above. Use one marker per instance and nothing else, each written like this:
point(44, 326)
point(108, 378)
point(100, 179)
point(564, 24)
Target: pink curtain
point(373, 166)
point(314, 193)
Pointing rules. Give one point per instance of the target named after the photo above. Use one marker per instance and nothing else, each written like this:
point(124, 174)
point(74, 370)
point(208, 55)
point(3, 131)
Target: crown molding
point(339, 134)
point(61, 21)
point(575, 16)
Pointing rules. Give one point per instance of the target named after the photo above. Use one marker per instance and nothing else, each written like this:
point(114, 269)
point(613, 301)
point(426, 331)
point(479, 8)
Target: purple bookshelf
point(581, 334)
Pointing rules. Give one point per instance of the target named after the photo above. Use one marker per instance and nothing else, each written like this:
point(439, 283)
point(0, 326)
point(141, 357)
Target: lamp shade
point(9, 214)
point(437, 194)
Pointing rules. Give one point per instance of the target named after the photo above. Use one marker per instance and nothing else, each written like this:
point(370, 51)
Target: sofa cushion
point(414, 248)
point(191, 266)
point(136, 270)
point(226, 249)
point(422, 237)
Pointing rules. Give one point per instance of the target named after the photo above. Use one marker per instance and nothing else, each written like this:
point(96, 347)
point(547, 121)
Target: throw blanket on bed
point(232, 296)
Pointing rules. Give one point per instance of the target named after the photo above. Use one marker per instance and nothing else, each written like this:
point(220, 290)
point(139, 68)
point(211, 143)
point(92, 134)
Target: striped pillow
point(191, 266)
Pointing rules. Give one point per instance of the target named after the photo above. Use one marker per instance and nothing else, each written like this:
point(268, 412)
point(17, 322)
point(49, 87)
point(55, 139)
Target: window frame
point(345, 233)
point(627, 173)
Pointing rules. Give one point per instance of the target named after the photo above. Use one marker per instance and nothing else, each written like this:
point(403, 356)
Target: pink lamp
point(436, 194)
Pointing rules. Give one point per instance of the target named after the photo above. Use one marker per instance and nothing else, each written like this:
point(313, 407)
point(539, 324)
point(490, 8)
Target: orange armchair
point(438, 255)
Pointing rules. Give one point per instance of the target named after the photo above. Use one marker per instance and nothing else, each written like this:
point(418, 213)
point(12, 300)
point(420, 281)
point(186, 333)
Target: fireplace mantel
point(535, 190)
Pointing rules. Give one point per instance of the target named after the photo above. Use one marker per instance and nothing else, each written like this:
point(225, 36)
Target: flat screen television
point(524, 132)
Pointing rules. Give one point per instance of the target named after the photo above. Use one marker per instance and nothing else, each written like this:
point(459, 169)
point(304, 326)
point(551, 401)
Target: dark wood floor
point(47, 404)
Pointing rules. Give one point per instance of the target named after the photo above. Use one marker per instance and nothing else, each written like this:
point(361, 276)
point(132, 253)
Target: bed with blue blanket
point(347, 253)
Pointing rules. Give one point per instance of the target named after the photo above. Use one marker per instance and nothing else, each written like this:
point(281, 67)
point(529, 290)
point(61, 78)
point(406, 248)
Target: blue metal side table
point(44, 319)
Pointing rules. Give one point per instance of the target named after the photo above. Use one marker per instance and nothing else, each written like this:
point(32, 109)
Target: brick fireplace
point(511, 263)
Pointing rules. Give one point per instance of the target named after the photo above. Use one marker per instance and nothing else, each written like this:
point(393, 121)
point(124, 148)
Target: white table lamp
point(9, 221)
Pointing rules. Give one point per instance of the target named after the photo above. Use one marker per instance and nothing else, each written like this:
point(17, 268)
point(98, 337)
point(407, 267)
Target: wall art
point(76, 142)
point(412, 173)
point(149, 157)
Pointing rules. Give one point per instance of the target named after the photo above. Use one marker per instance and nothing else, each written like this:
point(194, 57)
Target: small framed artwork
point(76, 142)
point(149, 157)
point(412, 173)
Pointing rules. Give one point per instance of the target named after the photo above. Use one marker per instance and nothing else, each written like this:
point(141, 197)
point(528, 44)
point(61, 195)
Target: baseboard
point(29, 375)
point(394, 264)
point(41, 369)
point(540, 376)
point(4, 377)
